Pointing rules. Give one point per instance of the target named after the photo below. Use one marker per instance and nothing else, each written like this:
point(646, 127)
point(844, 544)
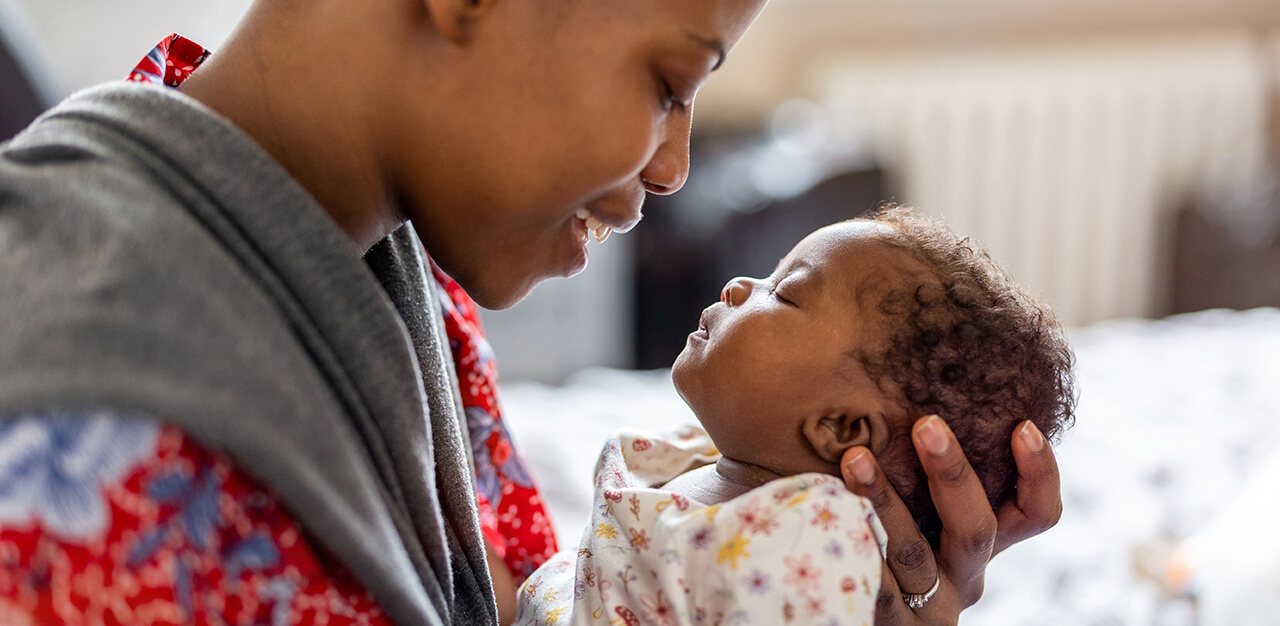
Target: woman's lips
point(588, 223)
point(580, 230)
point(576, 254)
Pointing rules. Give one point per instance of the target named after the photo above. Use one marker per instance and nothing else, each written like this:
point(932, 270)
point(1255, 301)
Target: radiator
point(1065, 161)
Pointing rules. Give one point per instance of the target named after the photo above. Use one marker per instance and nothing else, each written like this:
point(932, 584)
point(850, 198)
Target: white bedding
point(1174, 415)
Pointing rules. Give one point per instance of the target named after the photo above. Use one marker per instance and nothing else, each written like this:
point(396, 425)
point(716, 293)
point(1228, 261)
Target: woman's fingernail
point(862, 470)
point(1031, 436)
point(933, 436)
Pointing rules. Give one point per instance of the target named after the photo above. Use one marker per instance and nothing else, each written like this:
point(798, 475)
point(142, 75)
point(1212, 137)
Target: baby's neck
point(721, 482)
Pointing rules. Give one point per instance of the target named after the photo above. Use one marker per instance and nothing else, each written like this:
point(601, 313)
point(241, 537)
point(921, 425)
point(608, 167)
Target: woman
point(216, 411)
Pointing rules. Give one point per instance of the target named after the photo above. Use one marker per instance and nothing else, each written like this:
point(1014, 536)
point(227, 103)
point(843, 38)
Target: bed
point(1175, 416)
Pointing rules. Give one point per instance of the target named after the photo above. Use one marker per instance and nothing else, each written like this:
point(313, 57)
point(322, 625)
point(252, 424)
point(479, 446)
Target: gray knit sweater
point(154, 260)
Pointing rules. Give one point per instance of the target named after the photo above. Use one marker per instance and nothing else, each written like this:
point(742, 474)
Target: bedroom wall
point(1068, 160)
point(1274, 61)
point(769, 64)
point(92, 41)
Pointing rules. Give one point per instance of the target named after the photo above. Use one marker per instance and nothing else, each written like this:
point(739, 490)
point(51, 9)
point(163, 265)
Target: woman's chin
point(499, 297)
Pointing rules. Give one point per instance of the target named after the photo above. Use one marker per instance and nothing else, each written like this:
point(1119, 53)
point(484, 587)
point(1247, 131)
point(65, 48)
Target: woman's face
point(554, 106)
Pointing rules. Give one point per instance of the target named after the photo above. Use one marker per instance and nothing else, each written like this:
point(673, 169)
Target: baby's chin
point(683, 372)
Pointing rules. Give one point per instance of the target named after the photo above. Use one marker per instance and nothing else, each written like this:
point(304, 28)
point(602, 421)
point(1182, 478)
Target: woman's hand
point(971, 533)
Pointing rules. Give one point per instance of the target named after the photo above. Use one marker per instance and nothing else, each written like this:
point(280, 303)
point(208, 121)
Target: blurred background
point(1118, 156)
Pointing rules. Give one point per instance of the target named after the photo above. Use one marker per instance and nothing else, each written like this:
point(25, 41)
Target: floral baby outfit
point(799, 550)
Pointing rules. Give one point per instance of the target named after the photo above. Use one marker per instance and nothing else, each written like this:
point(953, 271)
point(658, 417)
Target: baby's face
point(777, 350)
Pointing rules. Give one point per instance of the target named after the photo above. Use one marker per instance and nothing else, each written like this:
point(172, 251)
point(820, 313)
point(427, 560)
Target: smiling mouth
point(597, 229)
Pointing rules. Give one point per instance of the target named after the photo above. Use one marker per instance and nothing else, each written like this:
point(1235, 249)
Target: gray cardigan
point(155, 260)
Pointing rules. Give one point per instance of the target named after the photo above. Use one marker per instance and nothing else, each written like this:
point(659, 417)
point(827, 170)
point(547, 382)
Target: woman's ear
point(455, 18)
point(830, 435)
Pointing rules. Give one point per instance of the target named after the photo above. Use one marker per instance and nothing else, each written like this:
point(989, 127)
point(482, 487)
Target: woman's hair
point(973, 347)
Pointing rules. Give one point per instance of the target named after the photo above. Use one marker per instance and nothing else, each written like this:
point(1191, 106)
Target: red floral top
point(110, 519)
point(512, 514)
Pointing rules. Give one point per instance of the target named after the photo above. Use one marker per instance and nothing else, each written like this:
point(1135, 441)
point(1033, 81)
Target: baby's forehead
point(851, 240)
point(849, 232)
point(859, 257)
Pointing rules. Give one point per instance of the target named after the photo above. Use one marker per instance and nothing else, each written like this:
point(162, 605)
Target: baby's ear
point(830, 435)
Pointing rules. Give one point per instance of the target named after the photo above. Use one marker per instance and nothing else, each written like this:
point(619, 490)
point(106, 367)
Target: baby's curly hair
point(974, 348)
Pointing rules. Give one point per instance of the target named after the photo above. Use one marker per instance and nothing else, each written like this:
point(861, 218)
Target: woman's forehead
point(717, 24)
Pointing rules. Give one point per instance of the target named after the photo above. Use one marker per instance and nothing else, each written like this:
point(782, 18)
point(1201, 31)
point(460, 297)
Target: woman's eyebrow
point(715, 45)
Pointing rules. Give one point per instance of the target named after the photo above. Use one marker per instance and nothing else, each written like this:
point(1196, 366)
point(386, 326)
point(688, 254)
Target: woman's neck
point(274, 85)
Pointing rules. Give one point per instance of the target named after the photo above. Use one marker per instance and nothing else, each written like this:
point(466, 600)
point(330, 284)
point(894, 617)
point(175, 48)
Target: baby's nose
point(736, 292)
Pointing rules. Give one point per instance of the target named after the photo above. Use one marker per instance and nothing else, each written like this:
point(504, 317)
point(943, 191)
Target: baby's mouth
point(703, 331)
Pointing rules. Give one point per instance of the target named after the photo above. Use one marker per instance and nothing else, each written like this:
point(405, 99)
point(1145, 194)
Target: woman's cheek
point(629, 143)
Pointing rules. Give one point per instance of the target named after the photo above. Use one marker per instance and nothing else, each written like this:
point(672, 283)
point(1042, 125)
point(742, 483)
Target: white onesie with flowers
point(798, 550)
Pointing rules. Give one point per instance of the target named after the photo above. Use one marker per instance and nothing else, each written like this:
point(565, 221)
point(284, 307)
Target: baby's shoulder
point(823, 500)
point(815, 509)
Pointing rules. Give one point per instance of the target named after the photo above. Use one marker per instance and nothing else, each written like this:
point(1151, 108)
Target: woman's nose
point(667, 171)
point(737, 291)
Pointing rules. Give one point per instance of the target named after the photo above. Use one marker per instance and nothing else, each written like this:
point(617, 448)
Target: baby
point(864, 327)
